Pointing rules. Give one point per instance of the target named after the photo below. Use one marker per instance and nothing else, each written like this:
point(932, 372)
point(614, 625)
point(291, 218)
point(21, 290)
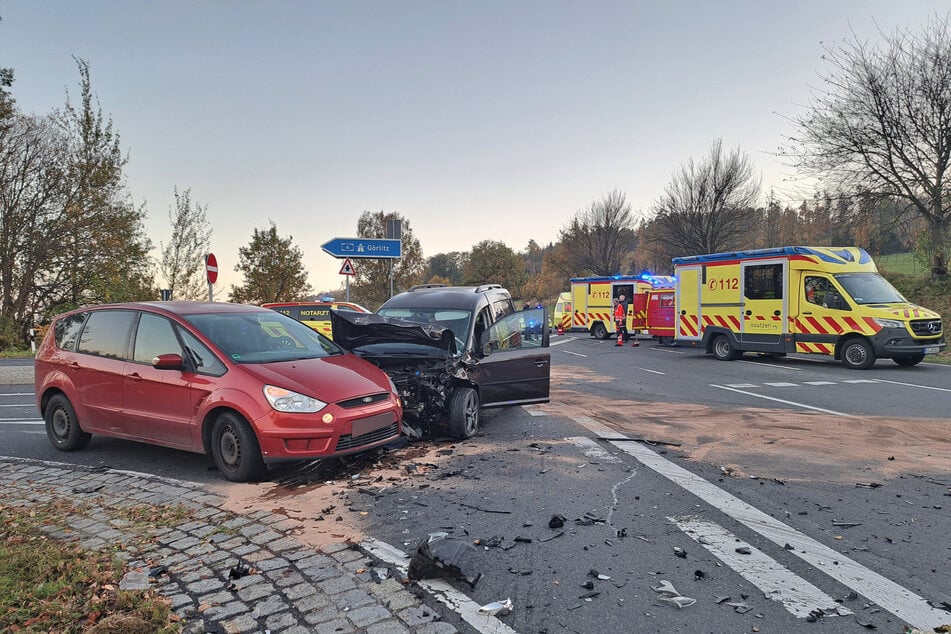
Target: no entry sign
point(211, 268)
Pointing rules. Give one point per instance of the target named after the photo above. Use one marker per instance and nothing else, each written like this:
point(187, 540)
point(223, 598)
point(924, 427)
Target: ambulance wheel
point(723, 349)
point(666, 341)
point(907, 362)
point(857, 354)
point(598, 331)
point(464, 413)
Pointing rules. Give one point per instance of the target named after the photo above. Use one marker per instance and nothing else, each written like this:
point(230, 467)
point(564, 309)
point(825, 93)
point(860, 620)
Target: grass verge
point(52, 585)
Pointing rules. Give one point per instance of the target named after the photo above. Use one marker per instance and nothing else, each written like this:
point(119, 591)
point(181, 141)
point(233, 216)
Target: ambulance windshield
point(869, 288)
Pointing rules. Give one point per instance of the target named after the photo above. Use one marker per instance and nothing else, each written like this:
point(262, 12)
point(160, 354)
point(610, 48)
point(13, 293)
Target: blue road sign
point(363, 248)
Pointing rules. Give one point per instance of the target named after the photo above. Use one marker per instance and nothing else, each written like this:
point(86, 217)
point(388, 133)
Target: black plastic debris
point(241, 570)
point(590, 519)
point(442, 557)
point(157, 571)
point(868, 485)
point(743, 550)
point(699, 575)
point(680, 552)
point(556, 521)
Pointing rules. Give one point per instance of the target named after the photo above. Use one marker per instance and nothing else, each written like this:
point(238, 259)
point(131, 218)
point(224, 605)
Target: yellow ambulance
point(819, 300)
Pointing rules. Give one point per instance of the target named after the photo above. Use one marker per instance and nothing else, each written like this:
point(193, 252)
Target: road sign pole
point(348, 289)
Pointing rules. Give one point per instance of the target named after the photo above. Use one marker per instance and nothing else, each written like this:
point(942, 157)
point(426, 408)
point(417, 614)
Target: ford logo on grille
point(367, 399)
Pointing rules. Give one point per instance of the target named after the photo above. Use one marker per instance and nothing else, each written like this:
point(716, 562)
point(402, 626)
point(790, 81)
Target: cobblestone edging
point(296, 589)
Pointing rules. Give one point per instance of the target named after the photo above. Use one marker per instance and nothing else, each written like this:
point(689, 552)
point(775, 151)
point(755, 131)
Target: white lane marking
point(17, 394)
point(779, 400)
point(901, 602)
point(923, 387)
point(782, 384)
point(777, 582)
point(21, 421)
point(577, 354)
point(668, 350)
point(819, 382)
point(649, 370)
point(558, 342)
point(742, 385)
point(766, 365)
point(860, 380)
point(534, 412)
point(443, 592)
point(593, 450)
point(30, 405)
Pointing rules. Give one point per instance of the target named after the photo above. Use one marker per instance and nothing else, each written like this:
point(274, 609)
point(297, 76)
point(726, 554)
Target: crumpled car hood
point(352, 330)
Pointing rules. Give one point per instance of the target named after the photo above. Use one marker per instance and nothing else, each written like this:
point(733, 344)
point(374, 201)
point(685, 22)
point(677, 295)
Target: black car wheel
point(464, 413)
point(236, 450)
point(723, 349)
point(857, 354)
point(62, 427)
point(598, 331)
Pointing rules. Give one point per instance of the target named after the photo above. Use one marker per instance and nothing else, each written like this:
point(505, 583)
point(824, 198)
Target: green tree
point(371, 285)
point(273, 270)
point(882, 124)
point(491, 261)
point(104, 246)
point(183, 258)
point(599, 240)
point(448, 266)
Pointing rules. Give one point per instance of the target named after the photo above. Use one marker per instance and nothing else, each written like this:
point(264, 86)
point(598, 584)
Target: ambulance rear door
point(689, 284)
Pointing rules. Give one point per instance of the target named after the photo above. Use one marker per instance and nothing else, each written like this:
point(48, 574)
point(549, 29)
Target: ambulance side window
point(764, 281)
point(816, 289)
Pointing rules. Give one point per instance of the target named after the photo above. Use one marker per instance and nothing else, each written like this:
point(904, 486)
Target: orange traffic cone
point(561, 329)
point(620, 338)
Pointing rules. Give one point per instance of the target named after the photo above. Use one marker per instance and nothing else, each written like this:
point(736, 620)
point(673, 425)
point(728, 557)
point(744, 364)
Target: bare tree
point(598, 240)
point(708, 205)
point(183, 261)
point(882, 124)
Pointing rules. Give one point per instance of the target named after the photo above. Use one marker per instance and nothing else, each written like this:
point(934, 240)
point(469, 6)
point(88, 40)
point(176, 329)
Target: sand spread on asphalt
point(761, 442)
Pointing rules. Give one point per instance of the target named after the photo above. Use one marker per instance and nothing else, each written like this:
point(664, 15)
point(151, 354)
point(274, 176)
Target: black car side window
point(202, 359)
point(153, 337)
point(67, 330)
point(106, 333)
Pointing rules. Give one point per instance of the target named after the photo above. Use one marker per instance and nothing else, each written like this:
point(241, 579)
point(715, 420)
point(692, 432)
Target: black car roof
point(470, 297)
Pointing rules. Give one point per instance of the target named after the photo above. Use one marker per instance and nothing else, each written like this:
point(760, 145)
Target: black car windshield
point(262, 337)
point(456, 320)
point(869, 288)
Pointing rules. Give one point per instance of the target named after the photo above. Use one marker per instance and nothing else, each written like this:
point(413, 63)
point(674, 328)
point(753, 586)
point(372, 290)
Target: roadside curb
point(287, 587)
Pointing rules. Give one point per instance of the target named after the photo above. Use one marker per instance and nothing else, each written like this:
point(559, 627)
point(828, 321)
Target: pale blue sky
point(474, 120)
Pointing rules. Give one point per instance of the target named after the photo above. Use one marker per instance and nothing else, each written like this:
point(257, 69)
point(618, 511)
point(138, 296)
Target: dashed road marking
point(859, 381)
point(777, 582)
point(782, 384)
point(577, 354)
point(742, 385)
point(819, 382)
point(898, 600)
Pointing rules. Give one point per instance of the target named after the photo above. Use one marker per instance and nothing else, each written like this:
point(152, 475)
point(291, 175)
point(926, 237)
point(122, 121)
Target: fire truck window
point(763, 282)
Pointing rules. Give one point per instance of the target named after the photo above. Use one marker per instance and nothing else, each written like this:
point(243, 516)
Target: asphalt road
point(763, 553)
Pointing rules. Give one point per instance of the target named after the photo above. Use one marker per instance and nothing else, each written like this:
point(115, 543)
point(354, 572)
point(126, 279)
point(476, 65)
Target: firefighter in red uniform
point(620, 321)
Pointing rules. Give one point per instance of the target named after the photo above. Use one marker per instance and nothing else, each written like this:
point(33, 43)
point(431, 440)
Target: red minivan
point(245, 384)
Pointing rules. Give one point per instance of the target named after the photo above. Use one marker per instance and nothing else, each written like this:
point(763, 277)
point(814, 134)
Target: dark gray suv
point(451, 351)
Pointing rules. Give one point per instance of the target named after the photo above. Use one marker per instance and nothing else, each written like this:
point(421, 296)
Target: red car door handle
point(135, 376)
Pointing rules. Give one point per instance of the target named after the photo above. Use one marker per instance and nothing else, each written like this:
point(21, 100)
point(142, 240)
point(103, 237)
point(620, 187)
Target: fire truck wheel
point(723, 349)
point(464, 413)
point(857, 354)
point(599, 331)
point(907, 362)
